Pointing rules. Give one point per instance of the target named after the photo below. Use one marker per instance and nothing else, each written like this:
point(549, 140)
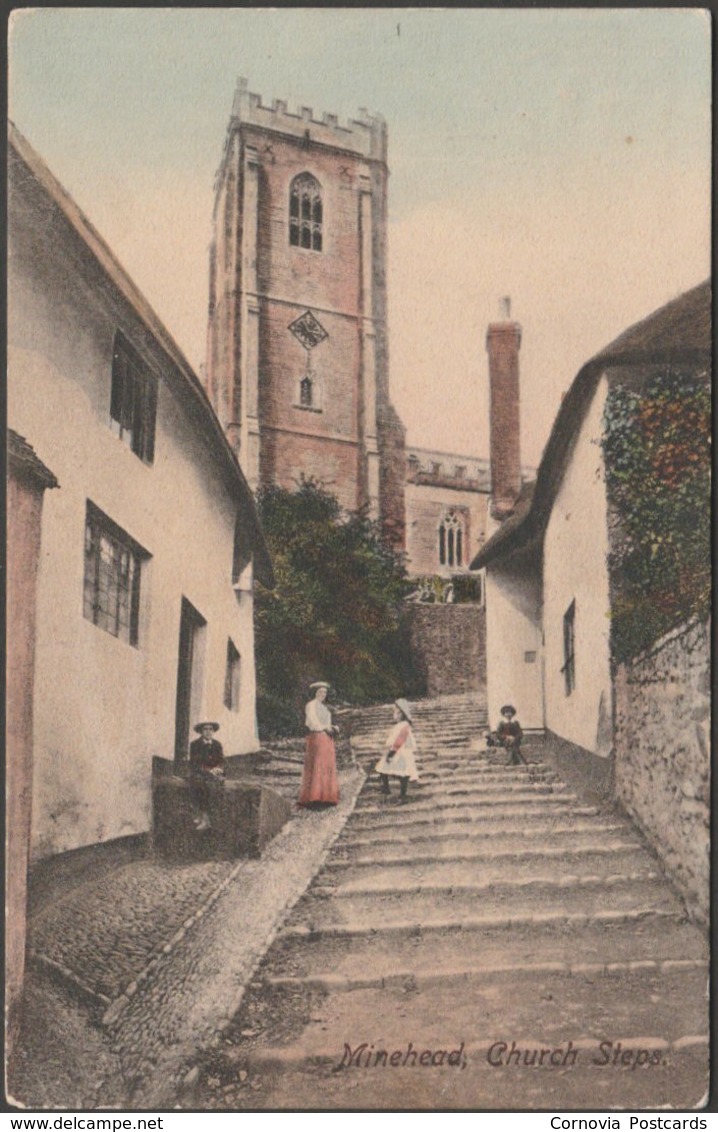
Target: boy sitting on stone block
point(508, 735)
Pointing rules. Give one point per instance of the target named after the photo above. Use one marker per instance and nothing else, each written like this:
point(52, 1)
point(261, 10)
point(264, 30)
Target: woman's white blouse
point(317, 716)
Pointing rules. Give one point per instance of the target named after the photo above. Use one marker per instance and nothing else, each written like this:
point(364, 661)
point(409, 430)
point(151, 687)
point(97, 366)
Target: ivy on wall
point(656, 447)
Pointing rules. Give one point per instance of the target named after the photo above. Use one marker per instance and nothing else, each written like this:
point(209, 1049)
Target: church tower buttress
point(297, 345)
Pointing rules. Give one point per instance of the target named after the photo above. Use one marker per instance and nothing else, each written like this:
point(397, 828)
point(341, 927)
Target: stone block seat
point(246, 816)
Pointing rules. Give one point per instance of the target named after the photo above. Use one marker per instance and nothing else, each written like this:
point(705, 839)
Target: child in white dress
point(399, 761)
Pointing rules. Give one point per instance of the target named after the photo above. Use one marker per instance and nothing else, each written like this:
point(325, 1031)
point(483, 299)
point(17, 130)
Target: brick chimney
point(503, 340)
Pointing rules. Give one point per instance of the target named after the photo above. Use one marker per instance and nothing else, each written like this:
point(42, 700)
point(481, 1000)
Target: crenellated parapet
point(429, 468)
point(365, 135)
point(445, 469)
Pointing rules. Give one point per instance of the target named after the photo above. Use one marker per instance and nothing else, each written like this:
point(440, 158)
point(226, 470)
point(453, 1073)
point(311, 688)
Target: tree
point(335, 611)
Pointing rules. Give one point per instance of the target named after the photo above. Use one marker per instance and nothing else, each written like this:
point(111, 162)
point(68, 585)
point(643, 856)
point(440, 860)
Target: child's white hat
point(405, 709)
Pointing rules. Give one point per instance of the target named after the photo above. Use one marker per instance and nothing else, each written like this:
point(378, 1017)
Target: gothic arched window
point(306, 392)
point(305, 213)
point(451, 540)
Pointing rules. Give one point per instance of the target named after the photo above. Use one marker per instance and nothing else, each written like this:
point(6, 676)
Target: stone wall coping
point(672, 635)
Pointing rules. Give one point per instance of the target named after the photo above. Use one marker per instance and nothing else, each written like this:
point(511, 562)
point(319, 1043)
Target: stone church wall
point(662, 754)
point(426, 506)
point(448, 644)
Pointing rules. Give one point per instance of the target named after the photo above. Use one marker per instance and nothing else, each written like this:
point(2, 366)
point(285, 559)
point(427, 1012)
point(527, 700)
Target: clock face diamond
point(308, 330)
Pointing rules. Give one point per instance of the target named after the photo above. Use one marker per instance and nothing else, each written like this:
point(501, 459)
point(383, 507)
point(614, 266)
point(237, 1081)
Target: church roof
point(122, 283)
point(678, 333)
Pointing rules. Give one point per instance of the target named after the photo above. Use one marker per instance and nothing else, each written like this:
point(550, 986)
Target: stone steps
point(408, 841)
point(426, 732)
point(499, 884)
point(520, 860)
point(475, 802)
point(485, 779)
point(596, 942)
point(376, 908)
point(446, 707)
point(485, 771)
point(387, 817)
point(494, 906)
point(467, 791)
point(589, 1015)
point(504, 920)
point(639, 1002)
point(286, 1078)
point(476, 974)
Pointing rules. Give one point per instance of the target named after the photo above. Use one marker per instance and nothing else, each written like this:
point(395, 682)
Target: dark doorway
point(191, 622)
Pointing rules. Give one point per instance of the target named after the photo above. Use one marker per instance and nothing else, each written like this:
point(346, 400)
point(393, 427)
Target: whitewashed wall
point(576, 569)
point(513, 630)
point(103, 707)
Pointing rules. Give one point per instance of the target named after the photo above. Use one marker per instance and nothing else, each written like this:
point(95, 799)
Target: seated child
point(508, 735)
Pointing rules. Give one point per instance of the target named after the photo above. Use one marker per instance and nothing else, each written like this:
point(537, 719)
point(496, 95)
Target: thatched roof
point(27, 163)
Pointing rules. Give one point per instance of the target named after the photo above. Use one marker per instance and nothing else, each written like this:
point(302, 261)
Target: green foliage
point(467, 588)
point(657, 455)
point(334, 613)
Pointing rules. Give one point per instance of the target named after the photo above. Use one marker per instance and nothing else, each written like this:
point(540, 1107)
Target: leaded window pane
point(111, 589)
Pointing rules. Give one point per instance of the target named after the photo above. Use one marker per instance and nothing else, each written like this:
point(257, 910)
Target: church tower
point(297, 351)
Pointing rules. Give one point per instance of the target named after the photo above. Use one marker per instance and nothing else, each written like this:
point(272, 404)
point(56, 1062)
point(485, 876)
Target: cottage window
point(231, 679)
point(113, 566)
point(569, 648)
point(305, 213)
point(133, 400)
point(451, 541)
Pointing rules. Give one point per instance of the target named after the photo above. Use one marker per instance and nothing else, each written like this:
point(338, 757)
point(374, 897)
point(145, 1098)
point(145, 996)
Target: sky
point(561, 157)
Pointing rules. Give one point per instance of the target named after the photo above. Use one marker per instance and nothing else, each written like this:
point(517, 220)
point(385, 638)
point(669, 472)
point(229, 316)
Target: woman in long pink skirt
point(319, 780)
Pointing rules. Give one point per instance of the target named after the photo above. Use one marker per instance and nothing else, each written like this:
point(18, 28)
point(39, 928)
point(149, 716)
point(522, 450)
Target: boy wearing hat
point(206, 771)
point(509, 734)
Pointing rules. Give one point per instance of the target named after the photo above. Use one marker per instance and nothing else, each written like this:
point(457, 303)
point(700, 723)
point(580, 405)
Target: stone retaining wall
point(662, 754)
point(448, 645)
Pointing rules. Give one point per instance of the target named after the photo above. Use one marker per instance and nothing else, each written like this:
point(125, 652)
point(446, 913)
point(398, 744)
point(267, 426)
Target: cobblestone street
point(134, 972)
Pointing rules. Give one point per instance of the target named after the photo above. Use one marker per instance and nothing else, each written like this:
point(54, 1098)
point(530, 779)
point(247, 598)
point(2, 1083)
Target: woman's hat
point(508, 707)
point(207, 723)
point(319, 684)
point(404, 708)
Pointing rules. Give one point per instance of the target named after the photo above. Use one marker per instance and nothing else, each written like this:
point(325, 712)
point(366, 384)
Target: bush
point(467, 588)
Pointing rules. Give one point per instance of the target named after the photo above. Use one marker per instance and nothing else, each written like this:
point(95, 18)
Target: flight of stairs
point(493, 908)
